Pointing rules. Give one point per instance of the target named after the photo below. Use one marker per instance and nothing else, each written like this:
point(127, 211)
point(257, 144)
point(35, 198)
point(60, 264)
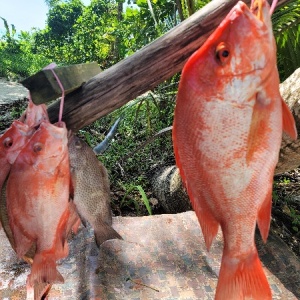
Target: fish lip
point(241, 8)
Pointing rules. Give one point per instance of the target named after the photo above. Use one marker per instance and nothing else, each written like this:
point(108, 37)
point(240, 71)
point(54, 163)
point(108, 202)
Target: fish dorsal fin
point(288, 122)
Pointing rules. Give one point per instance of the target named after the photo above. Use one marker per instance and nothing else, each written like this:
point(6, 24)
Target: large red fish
point(227, 132)
point(38, 201)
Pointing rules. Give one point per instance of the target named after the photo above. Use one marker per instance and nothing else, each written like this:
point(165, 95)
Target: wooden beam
point(43, 86)
point(143, 70)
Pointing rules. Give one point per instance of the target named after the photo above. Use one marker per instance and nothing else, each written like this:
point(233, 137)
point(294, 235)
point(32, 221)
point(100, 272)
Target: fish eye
point(78, 144)
point(38, 147)
point(8, 142)
point(222, 53)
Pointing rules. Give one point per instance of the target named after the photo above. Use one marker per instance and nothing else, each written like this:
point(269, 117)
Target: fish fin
point(41, 290)
point(264, 216)
point(43, 270)
point(76, 226)
point(74, 221)
point(242, 279)
point(208, 223)
point(104, 232)
point(288, 122)
point(22, 243)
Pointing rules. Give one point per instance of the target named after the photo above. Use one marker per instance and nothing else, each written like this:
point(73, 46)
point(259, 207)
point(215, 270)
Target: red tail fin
point(44, 270)
point(242, 279)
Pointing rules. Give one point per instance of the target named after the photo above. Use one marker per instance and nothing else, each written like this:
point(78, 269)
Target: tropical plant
point(286, 23)
point(17, 59)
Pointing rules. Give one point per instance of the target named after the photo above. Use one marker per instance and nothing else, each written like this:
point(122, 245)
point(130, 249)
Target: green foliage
point(295, 215)
point(286, 22)
point(135, 200)
point(17, 59)
point(130, 165)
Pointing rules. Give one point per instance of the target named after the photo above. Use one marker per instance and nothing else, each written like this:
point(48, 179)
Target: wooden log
point(43, 86)
point(143, 70)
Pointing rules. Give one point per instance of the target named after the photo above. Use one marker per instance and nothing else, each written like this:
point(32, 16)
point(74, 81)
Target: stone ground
point(10, 91)
point(161, 257)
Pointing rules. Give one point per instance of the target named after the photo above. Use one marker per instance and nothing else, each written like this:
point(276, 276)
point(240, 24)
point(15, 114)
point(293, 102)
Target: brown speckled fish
point(227, 132)
point(91, 191)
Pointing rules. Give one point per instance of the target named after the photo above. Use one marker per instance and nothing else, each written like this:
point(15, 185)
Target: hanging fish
point(227, 132)
point(38, 201)
point(91, 191)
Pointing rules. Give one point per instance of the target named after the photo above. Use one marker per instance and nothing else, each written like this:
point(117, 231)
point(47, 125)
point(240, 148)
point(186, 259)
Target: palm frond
point(286, 27)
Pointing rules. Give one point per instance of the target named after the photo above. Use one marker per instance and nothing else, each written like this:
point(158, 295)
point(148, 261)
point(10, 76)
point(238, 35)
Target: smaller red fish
point(11, 143)
point(38, 201)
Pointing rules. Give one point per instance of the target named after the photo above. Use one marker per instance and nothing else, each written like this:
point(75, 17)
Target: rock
point(167, 187)
point(289, 156)
point(161, 257)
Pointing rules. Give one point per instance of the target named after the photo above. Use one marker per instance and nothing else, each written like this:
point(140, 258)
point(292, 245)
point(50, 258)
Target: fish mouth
point(256, 9)
point(259, 10)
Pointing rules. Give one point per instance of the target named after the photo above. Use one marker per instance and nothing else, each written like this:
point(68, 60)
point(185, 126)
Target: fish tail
point(41, 290)
point(44, 270)
point(242, 279)
point(104, 232)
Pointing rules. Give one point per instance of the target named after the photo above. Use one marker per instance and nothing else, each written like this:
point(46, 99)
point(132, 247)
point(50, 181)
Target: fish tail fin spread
point(242, 279)
point(104, 232)
point(44, 270)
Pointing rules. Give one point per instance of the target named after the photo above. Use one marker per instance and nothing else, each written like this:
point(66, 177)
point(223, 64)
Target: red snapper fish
point(227, 132)
point(38, 201)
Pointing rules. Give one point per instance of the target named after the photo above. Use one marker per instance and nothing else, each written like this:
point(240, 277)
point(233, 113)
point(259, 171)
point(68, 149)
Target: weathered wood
point(143, 70)
point(43, 86)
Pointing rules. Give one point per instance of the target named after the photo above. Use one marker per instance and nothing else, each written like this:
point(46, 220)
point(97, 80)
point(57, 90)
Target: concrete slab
point(161, 257)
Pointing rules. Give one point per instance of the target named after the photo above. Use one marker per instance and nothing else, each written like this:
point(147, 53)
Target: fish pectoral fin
point(288, 122)
point(23, 243)
point(264, 216)
point(104, 232)
point(208, 223)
